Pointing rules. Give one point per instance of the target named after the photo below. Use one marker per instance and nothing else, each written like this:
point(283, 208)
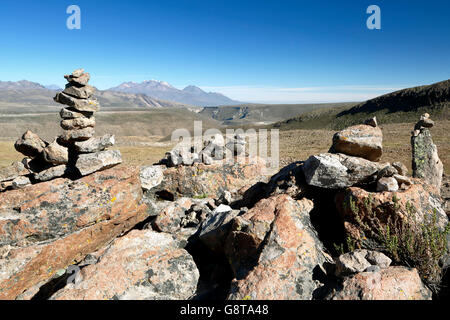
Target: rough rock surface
point(362, 141)
point(425, 160)
point(143, 265)
point(393, 283)
point(92, 162)
point(95, 144)
point(13, 171)
point(48, 226)
point(335, 171)
point(359, 261)
point(77, 135)
point(151, 176)
point(51, 173)
point(77, 123)
point(419, 201)
point(273, 250)
point(169, 219)
point(56, 154)
point(389, 184)
point(212, 181)
point(30, 145)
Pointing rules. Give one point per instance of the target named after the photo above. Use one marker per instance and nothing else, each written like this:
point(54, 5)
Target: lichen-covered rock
point(95, 144)
point(211, 181)
point(420, 201)
point(151, 176)
point(273, 250)
point(81, 92)
point(92, 162)
point(143, 265)
point(364, 141)
point(336, 171)
point(393, 283)
point(83, 105)
point(30, 145)
point(77, 123)
point(77, 135)
point(359, 261)
point(169, 219)
point(50, 225)
point(69, 113)
point(52, 173)
point(426, 164)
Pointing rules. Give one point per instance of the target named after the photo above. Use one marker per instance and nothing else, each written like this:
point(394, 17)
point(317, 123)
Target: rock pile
point(215, 148)
point(76, 152)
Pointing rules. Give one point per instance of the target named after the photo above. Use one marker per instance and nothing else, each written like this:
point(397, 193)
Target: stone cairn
point(426, 164)
point(76, 152)
point(215, 148)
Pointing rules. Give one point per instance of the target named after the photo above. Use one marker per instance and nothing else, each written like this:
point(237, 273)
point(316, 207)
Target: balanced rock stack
point(353, 159)
point(215, 148)
point(75, 152)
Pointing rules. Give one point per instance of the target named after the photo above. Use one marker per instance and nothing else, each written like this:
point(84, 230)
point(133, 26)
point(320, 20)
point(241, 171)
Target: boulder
point(92, 162)
point(95, 144)
point(336, 171)
point(77, 135)
point(77, 123)
point(13, 171)
point(145, 265)
point(56, 154)
point(389, 184)
point(84, 92)
point(393, 283)
point(151, 176)
point(362, 141)
point(51, 225)
point(202, 181)
point(426, 164)
point(83, 105)
point(30, 145)
point(273, 250)
point(416, 203)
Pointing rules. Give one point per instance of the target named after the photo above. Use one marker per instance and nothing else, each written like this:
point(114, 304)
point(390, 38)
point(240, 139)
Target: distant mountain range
point(149, 91)
point(162, 90)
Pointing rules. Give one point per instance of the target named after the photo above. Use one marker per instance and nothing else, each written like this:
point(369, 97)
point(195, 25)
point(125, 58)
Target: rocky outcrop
point(336, 171)
point(393, 283)
point(49, 226)
point(143, 265)
point(273, 250)
point(364, 141)
point(425, 160)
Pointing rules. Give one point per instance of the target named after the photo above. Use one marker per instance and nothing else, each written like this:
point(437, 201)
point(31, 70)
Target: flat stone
point(51, 173)
point(77, 123)
point(77, 135)
point(56, 154)
point(77, 73)
point(30, 145)
point(92, 162)
point(85, 105)
point(20, 182)
point(68, 113)
point(84, 92)
point(82, 79)
point(95, 144)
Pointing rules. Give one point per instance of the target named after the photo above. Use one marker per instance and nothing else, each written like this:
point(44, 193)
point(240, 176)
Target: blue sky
point(262, 51)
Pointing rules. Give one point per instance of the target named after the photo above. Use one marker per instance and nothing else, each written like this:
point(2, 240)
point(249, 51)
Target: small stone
point(30, 145)
point(371, 122)
point(223, 208)
point(85, 105)
point(84, 92)
point(352, 262)
point(77, 135)
point(56, 154)
point(95, 144)
point(51, 173)
point(379, 259)
point(151, 176)
point(402, 180)
point(373, 269)
point(387, 171)
point(78, 73)
point(20, 182)
point(387, 184)
point(82, 79)
point(13, 171)
point(67, 113)
point(401, 168)
point(78, 123)
point(92, 162)
point(206, 159)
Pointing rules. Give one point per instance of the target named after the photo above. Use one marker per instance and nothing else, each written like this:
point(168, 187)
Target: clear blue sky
point(265, 50)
